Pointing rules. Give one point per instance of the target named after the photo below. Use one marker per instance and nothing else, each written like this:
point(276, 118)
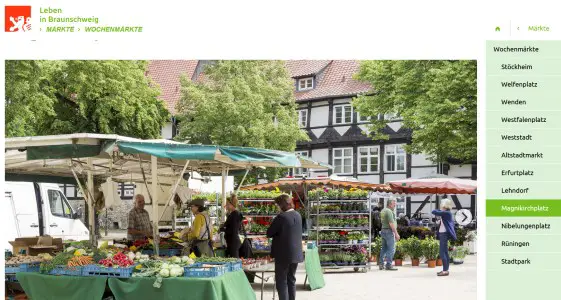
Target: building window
point(303, 118)
point(305, 83)
point(395, 158)
point(369, 159)
point(299, 172)
point(362, 119)
point(343, 114)
point(392, 117)
point(343, 160)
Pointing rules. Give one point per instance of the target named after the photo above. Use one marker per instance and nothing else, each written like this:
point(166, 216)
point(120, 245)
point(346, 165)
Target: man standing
point(389, 236)
point(286, 231)
point(139, 221)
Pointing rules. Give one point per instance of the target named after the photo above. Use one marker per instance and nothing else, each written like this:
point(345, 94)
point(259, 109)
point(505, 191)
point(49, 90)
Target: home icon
point(497, 29)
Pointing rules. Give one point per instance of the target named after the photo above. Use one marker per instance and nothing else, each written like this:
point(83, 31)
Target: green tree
point(61, 97)
point(29, 99)
point(437, 100)
point(241, 103)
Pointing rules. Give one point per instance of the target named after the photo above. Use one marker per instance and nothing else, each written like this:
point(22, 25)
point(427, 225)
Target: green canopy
point(119, 156)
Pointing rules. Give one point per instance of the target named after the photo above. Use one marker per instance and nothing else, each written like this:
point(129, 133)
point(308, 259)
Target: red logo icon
point(17, 19)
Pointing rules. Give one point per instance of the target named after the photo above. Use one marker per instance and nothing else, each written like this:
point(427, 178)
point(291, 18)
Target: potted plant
point(458, 254)
point(348, 259)
point(376, 248)
point(414, 250)
point(430, 251)
point(439, 261)
point(470, 241)
point(399, 253)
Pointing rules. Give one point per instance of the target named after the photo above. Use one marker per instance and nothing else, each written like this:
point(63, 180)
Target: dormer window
point(305, 83)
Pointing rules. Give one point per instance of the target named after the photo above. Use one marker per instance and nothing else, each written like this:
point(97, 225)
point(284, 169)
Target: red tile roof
point(299, 68)
point(167, 74)
point(335, 80)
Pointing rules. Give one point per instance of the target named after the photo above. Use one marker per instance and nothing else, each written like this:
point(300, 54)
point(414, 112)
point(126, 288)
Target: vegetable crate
point(64, 270)
point(197, 270)
point(22, 268)
point(230, 266)
point(95, 270)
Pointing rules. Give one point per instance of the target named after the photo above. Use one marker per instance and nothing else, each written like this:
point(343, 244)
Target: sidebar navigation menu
point(523, 170)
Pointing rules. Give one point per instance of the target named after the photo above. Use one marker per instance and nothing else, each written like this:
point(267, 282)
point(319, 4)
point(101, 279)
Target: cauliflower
point(164, 273)
point(176, 271)
point(131, 255)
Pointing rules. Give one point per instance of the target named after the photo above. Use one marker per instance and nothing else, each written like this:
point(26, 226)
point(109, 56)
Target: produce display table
point(38, 286)
point(266, 268)
point(314, 272)
point(230, 286)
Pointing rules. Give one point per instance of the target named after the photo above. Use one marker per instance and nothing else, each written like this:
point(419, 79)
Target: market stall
point(156, 165)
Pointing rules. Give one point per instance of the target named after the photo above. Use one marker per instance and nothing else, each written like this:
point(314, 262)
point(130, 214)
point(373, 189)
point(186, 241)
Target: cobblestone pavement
point(419, 283)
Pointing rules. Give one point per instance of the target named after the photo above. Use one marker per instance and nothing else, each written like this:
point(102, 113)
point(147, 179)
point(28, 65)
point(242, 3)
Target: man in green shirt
point(389, 236)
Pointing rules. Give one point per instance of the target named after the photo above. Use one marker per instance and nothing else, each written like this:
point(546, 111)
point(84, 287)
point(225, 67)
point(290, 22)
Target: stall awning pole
point(155, 203)
point(174, 190)
point(91, 203)
point(224, 176)
point(241, 182)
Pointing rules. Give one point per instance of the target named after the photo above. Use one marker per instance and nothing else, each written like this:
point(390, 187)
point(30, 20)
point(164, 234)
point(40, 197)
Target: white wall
point(320, 155)
point(318, 103)
point(391, 177)
point(319, 116)
point(422, 172)
point(420, 160)
point(342, 101)
point(370, 178)
point(167, 131)
point(460, 171)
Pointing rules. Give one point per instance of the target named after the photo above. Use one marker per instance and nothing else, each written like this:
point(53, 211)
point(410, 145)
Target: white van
point(41, 209)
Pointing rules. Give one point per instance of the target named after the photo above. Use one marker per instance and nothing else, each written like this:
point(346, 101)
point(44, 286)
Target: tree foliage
point(61, 97)
point(436, 99)
point(241, 103)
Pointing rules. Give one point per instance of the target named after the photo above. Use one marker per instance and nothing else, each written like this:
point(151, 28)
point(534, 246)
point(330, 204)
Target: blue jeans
point(388, 247)
point(444, 254)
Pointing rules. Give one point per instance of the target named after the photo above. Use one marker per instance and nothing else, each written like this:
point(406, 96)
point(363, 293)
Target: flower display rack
point(341, 227)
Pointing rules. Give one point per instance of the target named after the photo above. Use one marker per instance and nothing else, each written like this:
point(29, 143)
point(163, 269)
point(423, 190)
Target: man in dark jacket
point(286, 231)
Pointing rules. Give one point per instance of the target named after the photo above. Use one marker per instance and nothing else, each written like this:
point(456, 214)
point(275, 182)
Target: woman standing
point(445, 233)
point(286, 231)
point(232, 227)
point(200, 234)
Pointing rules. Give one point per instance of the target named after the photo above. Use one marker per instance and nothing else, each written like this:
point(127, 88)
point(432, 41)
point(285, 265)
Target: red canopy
point(448, 185)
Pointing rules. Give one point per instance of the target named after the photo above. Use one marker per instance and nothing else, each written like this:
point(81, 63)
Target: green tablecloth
point(38, 286)
point(231, 286)
point(313, 269)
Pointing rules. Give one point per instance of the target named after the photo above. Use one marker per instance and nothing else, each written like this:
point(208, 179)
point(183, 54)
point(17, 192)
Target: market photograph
point(240, 179)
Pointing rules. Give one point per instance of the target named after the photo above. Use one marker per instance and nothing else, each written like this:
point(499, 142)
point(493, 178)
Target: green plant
point(334, 194)
point(430, 248)
point(414, 248)
point(376, 247)
point(399, 250)
point(461, 236)
point(459, 252)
